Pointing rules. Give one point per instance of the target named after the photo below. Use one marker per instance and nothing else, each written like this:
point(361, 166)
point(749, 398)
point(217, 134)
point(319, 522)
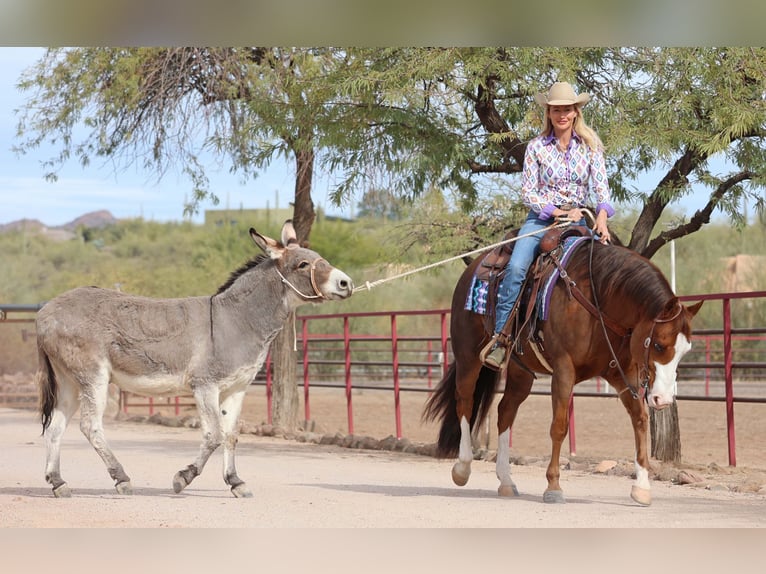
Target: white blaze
point(664, 387)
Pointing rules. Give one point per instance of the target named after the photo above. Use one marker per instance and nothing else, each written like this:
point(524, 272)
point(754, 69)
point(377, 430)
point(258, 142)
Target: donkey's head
point(304, 271)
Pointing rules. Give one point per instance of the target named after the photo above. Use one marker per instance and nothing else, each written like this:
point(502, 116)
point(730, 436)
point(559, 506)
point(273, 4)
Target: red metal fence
point(337, 350)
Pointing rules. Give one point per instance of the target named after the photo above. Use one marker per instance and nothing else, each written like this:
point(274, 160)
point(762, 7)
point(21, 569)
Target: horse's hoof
point(642, 496)
point(459, 474)
point(124, 488)
point(179, 483)
point(507, 490)
point(62, 491)
point(554, 497)
point(241, 491)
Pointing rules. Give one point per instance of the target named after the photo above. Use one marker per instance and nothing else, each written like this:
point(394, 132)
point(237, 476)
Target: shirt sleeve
point(530, 181)
point(599, 183)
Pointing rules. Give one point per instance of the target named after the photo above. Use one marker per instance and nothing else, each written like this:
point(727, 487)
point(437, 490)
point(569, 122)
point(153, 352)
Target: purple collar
point(551, 138)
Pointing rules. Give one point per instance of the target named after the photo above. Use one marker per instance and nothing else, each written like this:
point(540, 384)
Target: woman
point(562, 167)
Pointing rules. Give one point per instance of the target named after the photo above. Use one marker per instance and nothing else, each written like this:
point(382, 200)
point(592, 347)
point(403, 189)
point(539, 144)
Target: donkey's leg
point(207, 398)
point(466, 374)
point(66, 405)
point(231, 407)
point(518, 384)
point(641, 490)
point(93, 400)
point(561, 391)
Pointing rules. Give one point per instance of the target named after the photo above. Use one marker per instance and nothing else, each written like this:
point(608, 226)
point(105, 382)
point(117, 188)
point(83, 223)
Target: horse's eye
point(659, 348)
point(303, 264)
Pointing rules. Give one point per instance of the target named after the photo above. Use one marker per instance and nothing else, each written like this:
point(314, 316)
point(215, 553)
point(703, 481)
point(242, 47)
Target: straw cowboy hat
point(562, 94)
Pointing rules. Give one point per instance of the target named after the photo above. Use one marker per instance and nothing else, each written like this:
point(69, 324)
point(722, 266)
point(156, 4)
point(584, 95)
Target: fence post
point(572, 445)
point(727, 369)
point(395, 353)
point(347, 374)
point(268, 388)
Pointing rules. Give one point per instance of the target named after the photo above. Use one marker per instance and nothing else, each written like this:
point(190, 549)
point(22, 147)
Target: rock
point(388, 443)
point(688, 477)
point(605, 466)
point(576, 465)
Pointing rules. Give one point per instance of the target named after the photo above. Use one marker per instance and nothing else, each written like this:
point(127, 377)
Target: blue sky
point(24, 193)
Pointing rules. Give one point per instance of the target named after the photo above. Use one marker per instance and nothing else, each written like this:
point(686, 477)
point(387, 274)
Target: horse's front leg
point(207, 398)
point(560, 396)
point(518, 385)
point(641, 490)
point(231, 407)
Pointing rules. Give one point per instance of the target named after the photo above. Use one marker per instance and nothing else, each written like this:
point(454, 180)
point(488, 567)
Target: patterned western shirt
point(553, 178)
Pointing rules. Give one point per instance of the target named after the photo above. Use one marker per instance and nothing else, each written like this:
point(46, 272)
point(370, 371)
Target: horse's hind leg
point(561, 392)
point(207, 398)
point(93, 402)
point(518, 384)
point(230, 409)
point(66, 405)
point(466, 374)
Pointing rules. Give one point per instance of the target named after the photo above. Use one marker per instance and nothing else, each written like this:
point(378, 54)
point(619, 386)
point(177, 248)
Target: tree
point(166, 107)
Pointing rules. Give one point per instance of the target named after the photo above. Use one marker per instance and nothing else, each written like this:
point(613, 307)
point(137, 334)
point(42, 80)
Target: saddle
point(526, 310)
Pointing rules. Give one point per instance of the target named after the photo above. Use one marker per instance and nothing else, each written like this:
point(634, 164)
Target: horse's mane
point(254, 262)
point(622, 273)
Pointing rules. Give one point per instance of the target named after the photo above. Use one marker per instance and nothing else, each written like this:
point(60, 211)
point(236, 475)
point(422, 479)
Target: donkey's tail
point(443, 405)
point(45, 379)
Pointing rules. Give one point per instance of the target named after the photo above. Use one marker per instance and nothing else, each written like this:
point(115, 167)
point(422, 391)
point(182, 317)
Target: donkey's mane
point(620, 272)
point(253, 263)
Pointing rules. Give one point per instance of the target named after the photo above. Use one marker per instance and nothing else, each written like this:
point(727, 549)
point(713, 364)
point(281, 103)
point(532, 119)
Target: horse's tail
point(47, 386)
point(443, 405)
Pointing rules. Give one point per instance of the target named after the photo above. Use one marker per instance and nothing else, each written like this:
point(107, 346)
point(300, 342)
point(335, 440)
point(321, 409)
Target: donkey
point(211, 346)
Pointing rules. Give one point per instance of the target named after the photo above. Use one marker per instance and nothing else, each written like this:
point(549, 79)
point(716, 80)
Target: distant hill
point(94, 219)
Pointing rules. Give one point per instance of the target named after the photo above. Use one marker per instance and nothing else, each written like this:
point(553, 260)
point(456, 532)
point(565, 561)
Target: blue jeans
point(524, 252)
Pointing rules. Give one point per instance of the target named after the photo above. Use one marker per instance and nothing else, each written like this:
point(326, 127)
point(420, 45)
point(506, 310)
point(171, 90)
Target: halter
point(317, 292)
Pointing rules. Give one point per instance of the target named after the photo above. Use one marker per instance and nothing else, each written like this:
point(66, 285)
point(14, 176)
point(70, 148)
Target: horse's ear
point(693, 309)
point(289, 237)
point(269, 246)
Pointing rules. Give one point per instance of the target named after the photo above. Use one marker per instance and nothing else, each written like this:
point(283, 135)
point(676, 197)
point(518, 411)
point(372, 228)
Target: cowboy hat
point(562, 94)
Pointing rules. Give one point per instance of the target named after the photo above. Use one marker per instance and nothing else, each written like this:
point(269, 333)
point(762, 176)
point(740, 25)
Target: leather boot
point(496, 358)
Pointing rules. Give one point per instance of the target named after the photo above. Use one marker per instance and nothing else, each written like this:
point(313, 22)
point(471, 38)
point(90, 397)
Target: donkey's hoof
point(554, 497)
point(241, 491)
point(460, 473)
point(179, 482)
point(507, 490)
point(642, 496)
point(124, 487)
point(62, 491)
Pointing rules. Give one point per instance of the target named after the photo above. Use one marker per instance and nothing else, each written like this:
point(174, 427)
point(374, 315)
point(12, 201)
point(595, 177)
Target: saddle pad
point(544, 295)
point(476, 301)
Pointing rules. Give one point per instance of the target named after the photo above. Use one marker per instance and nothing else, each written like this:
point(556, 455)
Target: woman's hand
point(600, 227)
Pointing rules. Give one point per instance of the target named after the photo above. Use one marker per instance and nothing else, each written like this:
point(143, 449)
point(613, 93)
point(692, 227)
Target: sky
point(25, 194)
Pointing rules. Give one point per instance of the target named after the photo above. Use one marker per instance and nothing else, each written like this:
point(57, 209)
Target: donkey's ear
point(289, 237)
point(269, 246)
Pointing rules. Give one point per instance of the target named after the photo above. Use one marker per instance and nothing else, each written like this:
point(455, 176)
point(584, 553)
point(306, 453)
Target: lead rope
point(369, 285)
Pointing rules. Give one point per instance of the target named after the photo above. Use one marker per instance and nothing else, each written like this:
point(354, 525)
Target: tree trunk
point(285, 398)
point(666, 434)
point(285, 390)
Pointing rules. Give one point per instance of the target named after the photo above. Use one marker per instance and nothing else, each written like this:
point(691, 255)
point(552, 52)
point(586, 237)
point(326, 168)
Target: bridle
point(317, 292)
point(643, 377)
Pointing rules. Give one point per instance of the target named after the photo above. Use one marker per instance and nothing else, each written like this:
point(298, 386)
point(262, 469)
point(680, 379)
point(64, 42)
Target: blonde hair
point(588, 135)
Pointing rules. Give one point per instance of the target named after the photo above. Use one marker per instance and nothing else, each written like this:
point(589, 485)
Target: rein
point(317, 292)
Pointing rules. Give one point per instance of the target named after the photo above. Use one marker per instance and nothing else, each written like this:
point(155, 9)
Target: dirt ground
point(602, 426)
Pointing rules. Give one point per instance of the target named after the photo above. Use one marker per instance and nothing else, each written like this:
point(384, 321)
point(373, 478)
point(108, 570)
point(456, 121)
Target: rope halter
point(317, 291)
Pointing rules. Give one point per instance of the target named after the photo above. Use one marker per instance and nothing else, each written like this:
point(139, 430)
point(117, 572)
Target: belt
point(568, 206)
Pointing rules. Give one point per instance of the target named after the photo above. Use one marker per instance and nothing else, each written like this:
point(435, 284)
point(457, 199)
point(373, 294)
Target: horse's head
point(657, 346)
point(304, 271)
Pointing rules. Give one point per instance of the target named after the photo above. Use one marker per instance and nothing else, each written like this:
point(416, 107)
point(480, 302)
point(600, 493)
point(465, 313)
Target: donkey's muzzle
point(340, 285)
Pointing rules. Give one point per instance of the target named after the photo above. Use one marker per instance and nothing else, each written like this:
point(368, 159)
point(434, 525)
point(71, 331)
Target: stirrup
point(498, 341)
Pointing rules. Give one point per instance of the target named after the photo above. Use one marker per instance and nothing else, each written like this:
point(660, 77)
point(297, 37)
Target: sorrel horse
point(634, 336)
point(210, 346)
